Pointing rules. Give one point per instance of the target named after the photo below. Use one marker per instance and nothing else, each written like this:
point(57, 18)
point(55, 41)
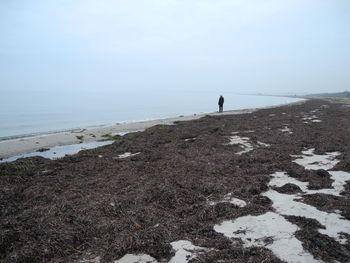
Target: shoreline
point(190, 186)
point(24, 145)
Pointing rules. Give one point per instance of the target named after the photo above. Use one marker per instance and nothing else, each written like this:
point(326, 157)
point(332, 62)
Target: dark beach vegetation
point(94, 204)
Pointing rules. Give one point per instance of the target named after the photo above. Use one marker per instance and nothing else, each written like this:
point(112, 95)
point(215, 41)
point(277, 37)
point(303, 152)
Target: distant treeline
point(345, 94)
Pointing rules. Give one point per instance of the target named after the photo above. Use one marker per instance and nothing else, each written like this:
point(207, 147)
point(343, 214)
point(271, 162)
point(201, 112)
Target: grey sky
point(243, 46)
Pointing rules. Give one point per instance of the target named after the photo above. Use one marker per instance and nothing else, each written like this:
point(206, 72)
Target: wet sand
point(10, 148)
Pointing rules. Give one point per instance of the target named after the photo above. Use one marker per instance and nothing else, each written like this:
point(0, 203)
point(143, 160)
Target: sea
point(38, 113)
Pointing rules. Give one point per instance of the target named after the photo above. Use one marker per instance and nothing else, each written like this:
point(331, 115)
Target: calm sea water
point(35, 113)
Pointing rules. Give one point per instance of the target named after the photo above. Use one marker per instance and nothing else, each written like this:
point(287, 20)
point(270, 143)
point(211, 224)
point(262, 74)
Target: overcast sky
point(243, 46)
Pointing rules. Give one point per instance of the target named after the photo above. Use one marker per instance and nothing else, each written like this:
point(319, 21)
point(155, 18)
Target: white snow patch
point(316, 120)
point(185, 251)
point(126, 155)
point(190, 139)
point(269, 230)
point(140, 258)
point(228, 198)
point(311, 161)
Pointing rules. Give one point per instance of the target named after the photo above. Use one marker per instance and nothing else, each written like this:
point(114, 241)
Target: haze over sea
point(82, 63)
point(50, 112)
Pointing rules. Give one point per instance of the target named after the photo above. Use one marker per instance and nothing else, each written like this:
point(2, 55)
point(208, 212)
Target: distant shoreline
point(28, 144)
point(18, 125)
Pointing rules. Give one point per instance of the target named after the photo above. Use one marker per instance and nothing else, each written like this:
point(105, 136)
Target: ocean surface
point(42, 112)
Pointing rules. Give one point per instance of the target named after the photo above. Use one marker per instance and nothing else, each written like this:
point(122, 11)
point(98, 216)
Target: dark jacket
point(221, 101)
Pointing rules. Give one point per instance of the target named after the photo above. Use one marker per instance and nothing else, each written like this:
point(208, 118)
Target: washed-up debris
point(86, 207)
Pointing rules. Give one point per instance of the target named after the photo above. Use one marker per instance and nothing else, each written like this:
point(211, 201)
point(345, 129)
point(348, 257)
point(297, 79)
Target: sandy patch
point(311, 161)
point(273, 231)
point(126, 155)
point(184, 252)
point(13, 147)
point(245, 143)
point(311, 118)
point(269, 230)
point(228, 198)
point(190, 139)
point(126, 132)
point(287, 204)
point(339, 178)
point(286, 129)
point(139, 258)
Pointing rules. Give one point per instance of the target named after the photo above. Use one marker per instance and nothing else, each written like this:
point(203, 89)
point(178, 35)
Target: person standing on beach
point(221, 103)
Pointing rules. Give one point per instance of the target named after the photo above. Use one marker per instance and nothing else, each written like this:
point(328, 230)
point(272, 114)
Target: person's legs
point(221, 108)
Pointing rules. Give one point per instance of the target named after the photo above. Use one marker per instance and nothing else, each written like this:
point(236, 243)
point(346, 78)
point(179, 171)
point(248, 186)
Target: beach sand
point(9, 148)
point(25, 145)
